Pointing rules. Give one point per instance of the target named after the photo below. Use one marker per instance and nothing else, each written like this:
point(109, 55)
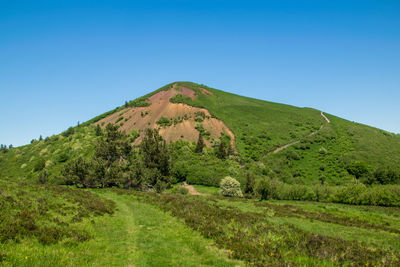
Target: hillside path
point(298, 141)
point(192, 190)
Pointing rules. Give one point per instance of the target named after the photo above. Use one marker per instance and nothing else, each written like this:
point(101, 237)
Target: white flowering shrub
point(230, 187)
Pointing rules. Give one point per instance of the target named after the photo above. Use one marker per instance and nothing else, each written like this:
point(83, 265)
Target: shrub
point(357, 169)
point(230, 187)
point(68, 132)
point(268, 188)
point(164, 122)
point(43, 177)
point(183, 191)
point(63, 157)
point(39, 165)
point(179, 98)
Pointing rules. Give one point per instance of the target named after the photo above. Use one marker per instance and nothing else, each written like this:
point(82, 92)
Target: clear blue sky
point(68, 61)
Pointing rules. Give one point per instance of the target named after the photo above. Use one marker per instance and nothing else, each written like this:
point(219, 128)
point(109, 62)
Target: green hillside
point(259, 127)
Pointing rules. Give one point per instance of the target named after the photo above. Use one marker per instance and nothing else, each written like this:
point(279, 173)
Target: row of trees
point(381, 175)
point(116, 163)
point(4, 148)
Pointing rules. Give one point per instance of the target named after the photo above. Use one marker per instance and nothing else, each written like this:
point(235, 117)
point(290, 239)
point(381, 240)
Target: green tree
point(112, 152)
point(155, 152)
point(249, 185)
point(156, 160)
point(222, 150)
point(76, 172)
point(200, 144)
point(357, 169)
point(98, 130)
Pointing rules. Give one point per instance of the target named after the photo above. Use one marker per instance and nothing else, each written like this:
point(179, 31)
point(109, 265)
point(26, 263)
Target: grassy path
point(137, 234)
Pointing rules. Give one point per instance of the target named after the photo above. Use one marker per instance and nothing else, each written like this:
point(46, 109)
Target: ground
point(207, 230)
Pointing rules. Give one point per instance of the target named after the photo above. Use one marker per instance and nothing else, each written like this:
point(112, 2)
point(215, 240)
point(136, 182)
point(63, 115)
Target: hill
point(112, 192)
point(295, 145)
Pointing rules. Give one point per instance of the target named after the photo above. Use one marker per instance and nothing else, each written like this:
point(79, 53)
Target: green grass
point(266, 236)
point(136, 234)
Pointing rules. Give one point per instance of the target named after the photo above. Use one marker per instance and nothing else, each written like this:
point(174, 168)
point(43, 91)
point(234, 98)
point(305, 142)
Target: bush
point(230, 187)
point(268, 188)
point(163, 121)
point(183, 191)
point(39, 165)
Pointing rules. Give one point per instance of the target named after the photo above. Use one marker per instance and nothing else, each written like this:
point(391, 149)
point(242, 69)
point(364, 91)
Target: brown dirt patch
point(140, 118)
point(192, 190)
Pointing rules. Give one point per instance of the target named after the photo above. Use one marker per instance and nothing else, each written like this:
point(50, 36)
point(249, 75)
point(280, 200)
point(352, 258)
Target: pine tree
point(155, 152)
point(222, 150)
point(250, 182)
point(200, 144)
point(98, 131)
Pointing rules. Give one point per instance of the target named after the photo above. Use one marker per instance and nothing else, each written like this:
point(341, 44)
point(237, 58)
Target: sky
point(67, 61)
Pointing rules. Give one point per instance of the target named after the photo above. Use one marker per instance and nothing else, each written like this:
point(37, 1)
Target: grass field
point(127, 227)
point(135, 234)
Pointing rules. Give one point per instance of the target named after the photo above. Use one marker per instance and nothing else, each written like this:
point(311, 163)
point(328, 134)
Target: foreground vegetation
point(121, 227)
point(279, 235)
point(59, 226)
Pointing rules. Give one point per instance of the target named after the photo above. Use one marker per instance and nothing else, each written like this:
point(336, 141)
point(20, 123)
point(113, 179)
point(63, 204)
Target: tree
point(40, 138)
point(250, 182)
point(222, 150)
point(113, 146)
point(156, 160)
point(200, 144)
point(155, 152)
point(98, 131)
point(112, 151)
point(357, 169)
point(76, 172)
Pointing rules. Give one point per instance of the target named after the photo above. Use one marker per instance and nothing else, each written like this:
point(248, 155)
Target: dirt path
point(192, 190)
point(323, 115)
point(298, 141)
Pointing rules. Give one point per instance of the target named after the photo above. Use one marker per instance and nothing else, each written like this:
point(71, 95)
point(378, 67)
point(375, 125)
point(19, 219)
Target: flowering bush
point(230, 187)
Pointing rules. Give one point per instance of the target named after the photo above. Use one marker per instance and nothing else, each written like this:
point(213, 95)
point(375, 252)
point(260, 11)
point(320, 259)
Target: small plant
point(179, 98)
point(183, 190)
point(230, 187)
point(119, 119)
point(163, 121)
point(323, 151)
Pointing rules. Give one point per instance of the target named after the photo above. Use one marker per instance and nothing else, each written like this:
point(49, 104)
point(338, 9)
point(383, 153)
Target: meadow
point(120, 227)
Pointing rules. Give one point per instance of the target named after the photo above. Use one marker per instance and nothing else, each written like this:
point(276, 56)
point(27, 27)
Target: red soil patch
point(205, 92)
point(140, 118)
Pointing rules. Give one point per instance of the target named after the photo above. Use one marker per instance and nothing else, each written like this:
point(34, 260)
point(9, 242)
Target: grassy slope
point(261, 126)
point(137, 234)
point(20, 162)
